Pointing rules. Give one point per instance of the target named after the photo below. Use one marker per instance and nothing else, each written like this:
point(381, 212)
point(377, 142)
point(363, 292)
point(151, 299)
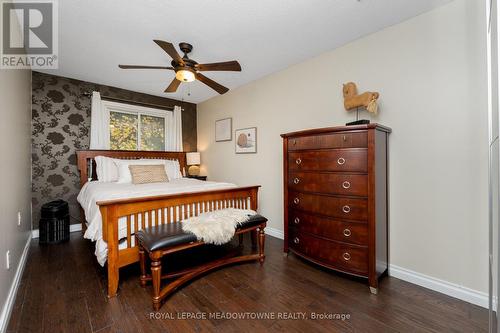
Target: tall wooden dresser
point(336, 198)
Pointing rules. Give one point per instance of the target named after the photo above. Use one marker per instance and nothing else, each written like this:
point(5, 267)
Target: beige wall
point(431, 75)
point(15, 171)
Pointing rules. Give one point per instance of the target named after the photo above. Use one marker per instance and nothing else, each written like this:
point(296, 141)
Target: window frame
point(138, 110)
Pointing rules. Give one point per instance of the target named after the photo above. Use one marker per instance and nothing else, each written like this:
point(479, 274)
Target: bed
point(112, 212)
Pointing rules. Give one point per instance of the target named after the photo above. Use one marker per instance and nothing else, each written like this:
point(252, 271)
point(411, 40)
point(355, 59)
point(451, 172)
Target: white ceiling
point(265, 36)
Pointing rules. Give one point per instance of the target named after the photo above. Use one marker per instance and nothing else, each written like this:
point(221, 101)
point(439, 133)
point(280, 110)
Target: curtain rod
point(114, 99)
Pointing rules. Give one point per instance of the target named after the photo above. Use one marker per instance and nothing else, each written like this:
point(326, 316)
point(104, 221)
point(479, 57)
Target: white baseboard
point(11, 297)
point(451, 289)
point(275, 232)
point(72, 228)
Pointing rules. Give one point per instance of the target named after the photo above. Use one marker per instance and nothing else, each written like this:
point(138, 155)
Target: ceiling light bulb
point(184, 75)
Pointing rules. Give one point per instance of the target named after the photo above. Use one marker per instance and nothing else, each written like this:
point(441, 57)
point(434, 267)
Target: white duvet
point(95, 191)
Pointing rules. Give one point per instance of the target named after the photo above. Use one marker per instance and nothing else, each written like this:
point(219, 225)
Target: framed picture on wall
point(223, 129)
point(246, 140)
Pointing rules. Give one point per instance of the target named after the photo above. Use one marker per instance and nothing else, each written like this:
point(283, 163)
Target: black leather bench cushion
point(171, 234)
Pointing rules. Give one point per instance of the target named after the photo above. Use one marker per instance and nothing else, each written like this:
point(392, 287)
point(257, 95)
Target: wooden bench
point(160, 240)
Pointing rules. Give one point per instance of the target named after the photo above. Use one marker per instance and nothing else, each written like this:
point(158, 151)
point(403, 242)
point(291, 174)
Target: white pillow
point(106, 169)
point(173, 169)
point(124, 175)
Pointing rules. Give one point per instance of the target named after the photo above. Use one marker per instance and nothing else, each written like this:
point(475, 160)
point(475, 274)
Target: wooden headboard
point(87, 166)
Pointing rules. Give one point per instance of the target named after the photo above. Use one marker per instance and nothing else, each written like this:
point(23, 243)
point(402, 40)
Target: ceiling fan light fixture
point(188, 70)
point(184, 75)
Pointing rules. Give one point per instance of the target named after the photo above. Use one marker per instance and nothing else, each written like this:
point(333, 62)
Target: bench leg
point(156, 275)
point(262, 239)
point(142, 262)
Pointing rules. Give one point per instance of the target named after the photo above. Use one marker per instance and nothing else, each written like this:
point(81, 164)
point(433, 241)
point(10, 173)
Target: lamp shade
point(193, 158)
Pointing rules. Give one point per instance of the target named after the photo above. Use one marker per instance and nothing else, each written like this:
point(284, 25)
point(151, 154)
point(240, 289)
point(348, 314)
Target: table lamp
point(193, 161)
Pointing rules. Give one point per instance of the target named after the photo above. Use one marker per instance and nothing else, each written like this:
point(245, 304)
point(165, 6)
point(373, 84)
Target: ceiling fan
point(188, 70)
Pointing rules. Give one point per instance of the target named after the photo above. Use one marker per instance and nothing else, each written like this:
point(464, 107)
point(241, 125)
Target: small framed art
point(246, 140)
point(223, 129)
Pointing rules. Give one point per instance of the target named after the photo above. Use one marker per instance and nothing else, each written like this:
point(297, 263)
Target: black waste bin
point(54, 222)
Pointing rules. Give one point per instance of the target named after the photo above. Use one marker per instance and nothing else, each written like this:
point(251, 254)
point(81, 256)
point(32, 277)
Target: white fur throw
point(216, 227)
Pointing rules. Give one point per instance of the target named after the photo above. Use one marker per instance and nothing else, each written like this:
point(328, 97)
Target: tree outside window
point(130, 131)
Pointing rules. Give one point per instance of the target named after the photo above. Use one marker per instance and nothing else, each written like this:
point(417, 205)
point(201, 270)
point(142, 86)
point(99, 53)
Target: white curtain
point(174, 130)
point(99, 124)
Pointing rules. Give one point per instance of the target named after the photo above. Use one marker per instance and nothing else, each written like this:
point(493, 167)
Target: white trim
point(11, 297)
point(451, 289)
point(139, 110)
point(275, 232)
point(72, 228)
point(134, 109)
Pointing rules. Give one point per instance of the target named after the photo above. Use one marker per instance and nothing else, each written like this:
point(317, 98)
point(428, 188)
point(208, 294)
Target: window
point(123, 131)
point(152, 132)
point(136, 127)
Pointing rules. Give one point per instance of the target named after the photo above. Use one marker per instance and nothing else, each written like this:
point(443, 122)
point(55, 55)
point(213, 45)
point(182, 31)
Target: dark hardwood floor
point(63, 290)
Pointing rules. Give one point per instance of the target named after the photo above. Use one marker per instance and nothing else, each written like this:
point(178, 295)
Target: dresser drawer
point(326, 141)
point(353, 160)
point(339, 207)
point(330, 183)
point(349, 232)
point(345, 257)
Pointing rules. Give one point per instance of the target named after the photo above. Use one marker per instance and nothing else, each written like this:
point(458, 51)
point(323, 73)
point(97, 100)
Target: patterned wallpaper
point(61, 125)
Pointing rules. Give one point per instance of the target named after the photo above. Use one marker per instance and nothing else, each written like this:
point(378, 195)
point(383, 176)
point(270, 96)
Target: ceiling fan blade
point(220, 66)
point(212, 84)
point(170, 49)
point(143, 67)
point(172, 87)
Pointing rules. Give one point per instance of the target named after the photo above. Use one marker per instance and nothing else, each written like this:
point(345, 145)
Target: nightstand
point(198, 177)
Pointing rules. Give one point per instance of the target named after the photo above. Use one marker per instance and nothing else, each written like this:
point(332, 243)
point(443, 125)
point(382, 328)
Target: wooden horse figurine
point(353, 100)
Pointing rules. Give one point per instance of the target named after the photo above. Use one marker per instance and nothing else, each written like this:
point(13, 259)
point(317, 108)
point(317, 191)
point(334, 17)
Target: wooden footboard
point(140, 213)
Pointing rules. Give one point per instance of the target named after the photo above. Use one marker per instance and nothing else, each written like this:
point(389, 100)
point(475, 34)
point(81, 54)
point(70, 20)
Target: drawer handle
point(347, 232)
point(296, 180)
point(346, 184)
point(296, 201)
point(298, 161)
point(341, 161)
point(296, 220)
point(346, 256)
point(346, 209)
point(344, 137)
point(294, 142)
point(296, 240)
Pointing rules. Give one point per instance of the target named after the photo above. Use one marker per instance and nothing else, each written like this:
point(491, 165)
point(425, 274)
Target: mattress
point(95, 191)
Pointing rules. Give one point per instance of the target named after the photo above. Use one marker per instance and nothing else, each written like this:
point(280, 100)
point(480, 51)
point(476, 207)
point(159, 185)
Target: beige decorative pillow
point(143, 174)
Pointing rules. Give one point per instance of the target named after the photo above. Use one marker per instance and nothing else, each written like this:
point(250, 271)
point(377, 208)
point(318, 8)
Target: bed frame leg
point(262, 239)
point(254, 237)
point(156, 275)
point(82, 220)
point(113, 278)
